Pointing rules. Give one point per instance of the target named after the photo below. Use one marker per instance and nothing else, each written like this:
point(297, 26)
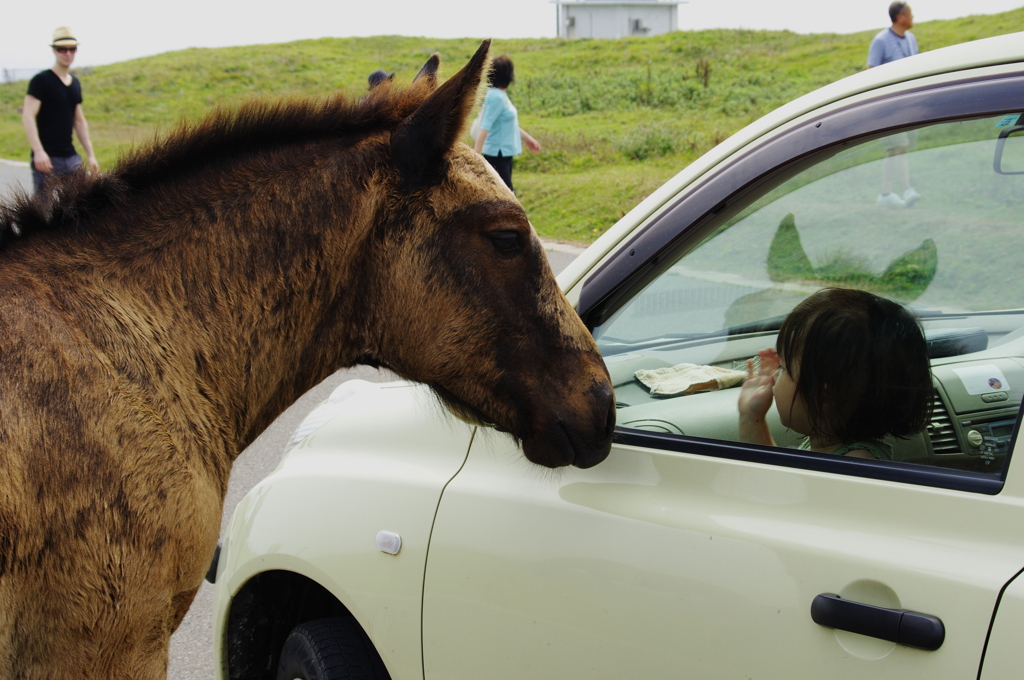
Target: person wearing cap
point(379, 76)
point(52, 110)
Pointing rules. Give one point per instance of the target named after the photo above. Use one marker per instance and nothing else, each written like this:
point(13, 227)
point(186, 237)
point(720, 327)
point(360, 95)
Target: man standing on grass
point(891, 44)
point(895, 42)
point(52, 109)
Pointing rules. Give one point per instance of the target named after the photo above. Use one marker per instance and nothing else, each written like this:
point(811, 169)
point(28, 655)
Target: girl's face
point(789, 402)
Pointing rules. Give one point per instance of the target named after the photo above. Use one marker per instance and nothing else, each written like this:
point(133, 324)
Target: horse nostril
point(604, 394)
point(590, 458)
point(610, 420)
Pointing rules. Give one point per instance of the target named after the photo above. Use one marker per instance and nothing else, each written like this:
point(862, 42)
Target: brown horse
point(156, 319)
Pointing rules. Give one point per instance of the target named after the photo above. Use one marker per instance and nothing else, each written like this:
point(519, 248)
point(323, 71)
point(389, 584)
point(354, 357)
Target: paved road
point(12, 175)
point(191, 656)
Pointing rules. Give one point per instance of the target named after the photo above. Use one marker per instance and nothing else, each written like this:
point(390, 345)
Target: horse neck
point(239, 297)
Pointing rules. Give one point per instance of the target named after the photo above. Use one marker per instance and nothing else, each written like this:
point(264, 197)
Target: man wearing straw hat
point(52, 109)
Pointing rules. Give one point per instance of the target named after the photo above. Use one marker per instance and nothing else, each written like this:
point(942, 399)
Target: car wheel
point(330, 649)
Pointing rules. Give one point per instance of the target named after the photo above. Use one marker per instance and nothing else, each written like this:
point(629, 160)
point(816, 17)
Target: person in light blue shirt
point(895, 42)
point(892, 44)
point(501, 138)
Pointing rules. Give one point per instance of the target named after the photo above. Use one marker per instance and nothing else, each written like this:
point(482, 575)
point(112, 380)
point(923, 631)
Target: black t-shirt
point(56, 118)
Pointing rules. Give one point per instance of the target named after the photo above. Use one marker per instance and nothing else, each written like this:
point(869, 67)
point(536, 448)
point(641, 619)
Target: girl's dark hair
point(862, 365)
point(502, 74)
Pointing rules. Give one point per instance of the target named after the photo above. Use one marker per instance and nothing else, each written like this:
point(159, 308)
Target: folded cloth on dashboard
point(674, 381)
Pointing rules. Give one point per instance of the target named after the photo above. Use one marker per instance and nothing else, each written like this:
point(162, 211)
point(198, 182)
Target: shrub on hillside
point(647, 141)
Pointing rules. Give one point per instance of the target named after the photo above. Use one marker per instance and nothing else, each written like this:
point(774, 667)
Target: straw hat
point(64, 37)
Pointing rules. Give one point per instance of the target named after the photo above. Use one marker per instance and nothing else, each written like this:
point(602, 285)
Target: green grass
point(616, 117)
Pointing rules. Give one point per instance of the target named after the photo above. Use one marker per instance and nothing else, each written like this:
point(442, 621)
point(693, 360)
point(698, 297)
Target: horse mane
point(257, 126)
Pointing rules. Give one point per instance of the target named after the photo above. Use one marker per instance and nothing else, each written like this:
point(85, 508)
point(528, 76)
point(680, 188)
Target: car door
point(690, 554)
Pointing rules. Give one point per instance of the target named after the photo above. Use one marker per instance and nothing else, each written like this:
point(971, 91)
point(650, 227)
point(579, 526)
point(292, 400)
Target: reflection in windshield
point(905, 278)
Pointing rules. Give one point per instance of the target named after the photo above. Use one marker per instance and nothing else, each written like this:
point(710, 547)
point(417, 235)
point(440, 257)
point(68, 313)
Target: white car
point(395, 541)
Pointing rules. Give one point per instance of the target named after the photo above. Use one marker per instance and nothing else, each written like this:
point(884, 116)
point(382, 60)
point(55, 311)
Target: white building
point(616, 18)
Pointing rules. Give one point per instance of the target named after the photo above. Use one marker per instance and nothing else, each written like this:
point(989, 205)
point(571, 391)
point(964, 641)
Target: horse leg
point(180, 605)
point(95, 607)
point(72, 634)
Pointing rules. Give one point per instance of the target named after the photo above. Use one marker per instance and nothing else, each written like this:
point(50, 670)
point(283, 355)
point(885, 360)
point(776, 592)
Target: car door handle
point(895, 625)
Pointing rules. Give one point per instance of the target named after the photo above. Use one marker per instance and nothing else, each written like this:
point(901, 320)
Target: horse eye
point(506, 242)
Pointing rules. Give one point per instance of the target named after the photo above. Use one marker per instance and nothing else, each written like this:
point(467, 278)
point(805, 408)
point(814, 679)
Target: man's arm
point(82, 130)
point(30, 109)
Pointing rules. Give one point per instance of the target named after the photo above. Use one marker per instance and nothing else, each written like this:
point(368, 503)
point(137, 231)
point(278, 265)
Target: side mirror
point(1009, 158)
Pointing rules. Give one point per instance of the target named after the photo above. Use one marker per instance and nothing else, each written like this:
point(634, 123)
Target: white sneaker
point(891, 200)
point(910, 197)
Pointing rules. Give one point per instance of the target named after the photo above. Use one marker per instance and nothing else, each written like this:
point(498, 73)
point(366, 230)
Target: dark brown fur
point(156, 320)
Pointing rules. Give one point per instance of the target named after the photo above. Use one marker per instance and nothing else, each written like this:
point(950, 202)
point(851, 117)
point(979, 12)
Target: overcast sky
point(117, 30)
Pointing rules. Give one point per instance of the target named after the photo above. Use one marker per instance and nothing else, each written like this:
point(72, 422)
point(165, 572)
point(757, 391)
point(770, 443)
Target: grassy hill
point(616, 117)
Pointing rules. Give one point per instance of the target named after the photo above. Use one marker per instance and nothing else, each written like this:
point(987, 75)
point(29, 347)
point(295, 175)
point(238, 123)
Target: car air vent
point(940, 429)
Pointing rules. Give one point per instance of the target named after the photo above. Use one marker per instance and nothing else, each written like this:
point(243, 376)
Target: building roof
point(620, 2)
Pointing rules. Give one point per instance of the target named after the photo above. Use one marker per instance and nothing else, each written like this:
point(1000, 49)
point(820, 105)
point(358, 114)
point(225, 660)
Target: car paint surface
point(319, 513)
point(715, 561)
point(1002, 656)
point(520, 575)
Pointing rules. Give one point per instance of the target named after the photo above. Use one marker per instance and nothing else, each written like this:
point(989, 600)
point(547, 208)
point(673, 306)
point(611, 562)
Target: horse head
point(468, 303)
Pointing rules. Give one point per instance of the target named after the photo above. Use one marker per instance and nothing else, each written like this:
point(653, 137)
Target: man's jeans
point(61, 165)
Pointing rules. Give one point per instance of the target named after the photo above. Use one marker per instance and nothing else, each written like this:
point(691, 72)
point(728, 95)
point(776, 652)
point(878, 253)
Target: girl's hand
point(756, 398)
point(770, 362)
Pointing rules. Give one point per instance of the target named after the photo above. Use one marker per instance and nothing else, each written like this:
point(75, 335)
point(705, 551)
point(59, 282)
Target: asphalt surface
point(14, 174)
point(191, 653)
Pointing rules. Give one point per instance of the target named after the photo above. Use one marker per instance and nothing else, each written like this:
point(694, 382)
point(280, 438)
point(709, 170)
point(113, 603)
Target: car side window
point(927, 217)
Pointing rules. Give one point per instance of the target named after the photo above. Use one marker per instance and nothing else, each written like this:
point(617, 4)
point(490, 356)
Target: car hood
point(375, 416)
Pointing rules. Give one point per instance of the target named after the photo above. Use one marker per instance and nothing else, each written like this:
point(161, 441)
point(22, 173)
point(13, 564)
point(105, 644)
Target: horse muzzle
point(581, 438)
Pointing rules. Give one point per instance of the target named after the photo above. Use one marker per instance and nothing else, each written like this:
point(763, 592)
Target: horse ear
point(428, 74)
point(421, 141)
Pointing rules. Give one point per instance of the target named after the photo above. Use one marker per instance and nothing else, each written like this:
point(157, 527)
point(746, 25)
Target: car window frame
point(705, 206)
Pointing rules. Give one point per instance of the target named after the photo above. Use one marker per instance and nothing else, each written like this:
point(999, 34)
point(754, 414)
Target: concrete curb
point(15, 164)
point(566, 248)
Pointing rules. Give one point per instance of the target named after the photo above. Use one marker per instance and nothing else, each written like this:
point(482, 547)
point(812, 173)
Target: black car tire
point(330, 649)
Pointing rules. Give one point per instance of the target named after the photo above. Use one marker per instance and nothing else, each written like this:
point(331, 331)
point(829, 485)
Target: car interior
point(966, 432)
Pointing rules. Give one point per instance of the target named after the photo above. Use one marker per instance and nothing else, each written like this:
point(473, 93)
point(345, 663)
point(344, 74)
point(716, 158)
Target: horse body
point(103, 500)
point(157, 320)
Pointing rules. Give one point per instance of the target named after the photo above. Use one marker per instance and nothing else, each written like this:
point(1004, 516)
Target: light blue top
point(887, 46)
point(501, 120)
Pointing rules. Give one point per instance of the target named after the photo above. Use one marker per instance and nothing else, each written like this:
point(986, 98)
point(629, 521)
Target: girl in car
point(851, 368)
